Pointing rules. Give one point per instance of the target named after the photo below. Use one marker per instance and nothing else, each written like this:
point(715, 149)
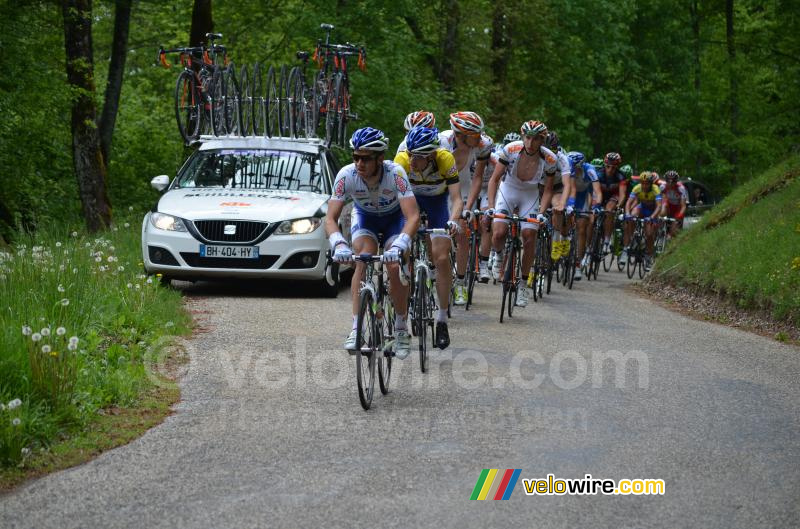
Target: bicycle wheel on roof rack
point(343, 109)
point(271, 105)
point(232, 107)
point(217, 90)
point(245, 102)
point(187, 106)
point(297, 126)
point(284, 93)
point(332, 112)
point(257, 112)
point(317, 102)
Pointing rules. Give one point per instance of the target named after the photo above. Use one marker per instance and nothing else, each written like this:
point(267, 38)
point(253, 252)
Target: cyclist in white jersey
point(526, 164)
point(471, 149)
point(420, 118)
point(383, 203)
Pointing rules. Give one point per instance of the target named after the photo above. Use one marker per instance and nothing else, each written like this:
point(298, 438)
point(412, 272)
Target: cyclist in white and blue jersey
point(583, 177)
point(383, 203)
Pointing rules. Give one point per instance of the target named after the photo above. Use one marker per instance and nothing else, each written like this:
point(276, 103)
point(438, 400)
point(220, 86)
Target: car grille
point(246, 230)
point(262, 263)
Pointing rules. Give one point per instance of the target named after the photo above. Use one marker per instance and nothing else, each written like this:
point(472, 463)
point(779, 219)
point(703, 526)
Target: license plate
point(233, 252)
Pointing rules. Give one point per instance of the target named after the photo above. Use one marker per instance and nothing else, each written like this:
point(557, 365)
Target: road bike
point(512, 264)
point(541, 276)
point(473, 261)
point(375, 339)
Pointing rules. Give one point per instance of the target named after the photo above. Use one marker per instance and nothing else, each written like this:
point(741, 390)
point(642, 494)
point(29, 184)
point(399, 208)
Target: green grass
point(79, 323)
point(747, 249)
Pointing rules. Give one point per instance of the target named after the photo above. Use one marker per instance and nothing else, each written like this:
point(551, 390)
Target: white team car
point(245, 207)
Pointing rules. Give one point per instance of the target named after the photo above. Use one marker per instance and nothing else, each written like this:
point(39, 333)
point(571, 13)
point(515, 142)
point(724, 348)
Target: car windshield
point(254, 169)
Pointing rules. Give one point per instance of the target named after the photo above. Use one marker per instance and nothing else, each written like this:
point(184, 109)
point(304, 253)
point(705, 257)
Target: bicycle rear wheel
point(245, 102)
point(608, 258)
point(257, 112)
point(633, 258)
point(272, 105)
point(187, 106)
point(420, 312)
point(368, 344)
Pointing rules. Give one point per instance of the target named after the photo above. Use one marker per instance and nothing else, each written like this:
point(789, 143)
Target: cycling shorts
point(582, 200)
point(436, 210)
point(673, 211)
point(526, 203)
point(645, 212)
point(367, 225)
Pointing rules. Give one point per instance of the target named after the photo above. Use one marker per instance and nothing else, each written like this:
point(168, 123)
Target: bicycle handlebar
point(515, 218)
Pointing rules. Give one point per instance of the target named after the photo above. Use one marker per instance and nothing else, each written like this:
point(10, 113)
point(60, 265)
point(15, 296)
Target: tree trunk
point(734, 84)
point(501, 45)
point(694, 10)
point(122, 19)
point(447, 63)
point(202, 22)
point(87, 156)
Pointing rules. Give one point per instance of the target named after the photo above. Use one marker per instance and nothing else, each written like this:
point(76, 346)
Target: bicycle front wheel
point(272, 105)
point(420, 313)
point(217, 91)
point(187, 106)
point(232, 107)
point(384, 360)
point(368, 344)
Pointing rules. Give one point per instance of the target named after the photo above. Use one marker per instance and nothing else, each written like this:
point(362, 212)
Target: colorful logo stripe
point(495, 484)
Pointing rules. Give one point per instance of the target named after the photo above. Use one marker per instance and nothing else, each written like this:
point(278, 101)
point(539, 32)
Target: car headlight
point(162, 221)
point(299, 226)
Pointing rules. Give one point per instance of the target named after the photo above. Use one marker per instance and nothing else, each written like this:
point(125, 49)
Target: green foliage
point(747, 248)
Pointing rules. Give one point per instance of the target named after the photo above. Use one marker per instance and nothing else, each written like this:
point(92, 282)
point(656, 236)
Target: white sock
point(400, 322)
point(441, 315)
point(355, 321)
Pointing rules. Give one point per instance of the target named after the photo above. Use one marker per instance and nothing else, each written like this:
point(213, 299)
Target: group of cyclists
point(453, 175)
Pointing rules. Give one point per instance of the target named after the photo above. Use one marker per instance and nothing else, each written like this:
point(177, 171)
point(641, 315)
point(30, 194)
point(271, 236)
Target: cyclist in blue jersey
point(383, 204)
point(584, 177)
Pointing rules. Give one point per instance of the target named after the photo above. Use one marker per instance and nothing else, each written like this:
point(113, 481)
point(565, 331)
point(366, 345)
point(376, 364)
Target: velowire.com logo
point(495, 484)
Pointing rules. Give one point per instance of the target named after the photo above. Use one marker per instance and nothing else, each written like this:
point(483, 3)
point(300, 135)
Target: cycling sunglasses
point(364, 157)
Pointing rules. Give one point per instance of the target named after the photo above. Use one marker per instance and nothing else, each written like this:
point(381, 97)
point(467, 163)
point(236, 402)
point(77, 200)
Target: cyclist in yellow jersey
point(643, 202)
point(434, 178)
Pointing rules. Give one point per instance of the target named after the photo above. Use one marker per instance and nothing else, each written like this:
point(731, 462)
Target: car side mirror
point(160, 182)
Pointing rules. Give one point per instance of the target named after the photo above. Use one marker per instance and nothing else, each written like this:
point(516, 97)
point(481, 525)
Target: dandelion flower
point(138, 286)
point(45, 331)
point(61, 288)
point(149, 280)
point(58, 244)
point(169, 324)
point(61, 331)
point(54, 354)
point(98, 259)
point(127, 224)
point(45, 348)
point(130, 208)
point(72, 347)
point(73, 339)
point(36, 337)
point(129, 285)
point(64, 302)
point(74, 233)
point(74, 270)
point(111, 249)
point(120, 268)
point(25, 451)
point(14, 404)
point(15, 421)
point(26, 330)
point(110, 258)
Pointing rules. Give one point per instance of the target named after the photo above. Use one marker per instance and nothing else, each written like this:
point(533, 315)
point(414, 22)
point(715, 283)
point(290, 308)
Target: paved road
point(269, 432)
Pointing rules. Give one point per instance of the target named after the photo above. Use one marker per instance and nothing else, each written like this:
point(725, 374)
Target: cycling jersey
point(447, 139)
point(384, 199)
point(434, 179)
point(584, 182)
point(510, 156)
point(563, 170)
point(647, 199)
point(674, 194)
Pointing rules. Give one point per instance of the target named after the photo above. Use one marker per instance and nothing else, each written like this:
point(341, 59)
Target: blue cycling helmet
point(575, 157)
point(369, 139)
point(422, 140)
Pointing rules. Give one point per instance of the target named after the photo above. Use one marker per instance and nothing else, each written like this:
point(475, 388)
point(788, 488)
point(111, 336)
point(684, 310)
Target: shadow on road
point(255, 288)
